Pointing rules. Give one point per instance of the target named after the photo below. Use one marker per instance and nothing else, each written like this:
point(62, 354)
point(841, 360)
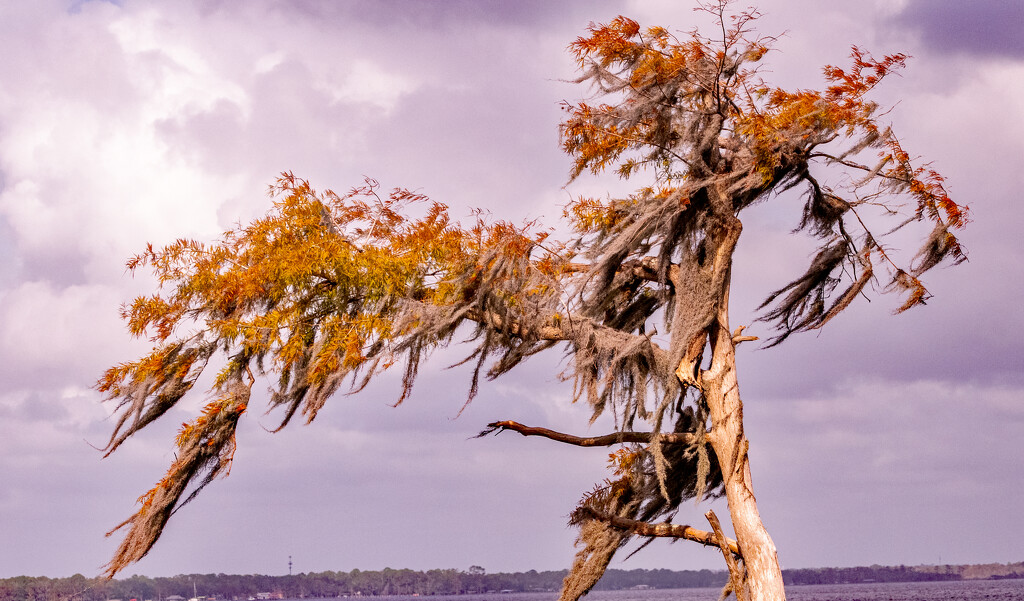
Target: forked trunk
point(721, 391)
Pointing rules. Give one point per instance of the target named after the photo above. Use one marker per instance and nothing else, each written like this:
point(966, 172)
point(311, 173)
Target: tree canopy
point(330, 290)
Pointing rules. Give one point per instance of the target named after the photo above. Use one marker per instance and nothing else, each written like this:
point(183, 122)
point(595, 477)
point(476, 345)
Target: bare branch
point(738, 337)
point(735, 574)
point(605, 440)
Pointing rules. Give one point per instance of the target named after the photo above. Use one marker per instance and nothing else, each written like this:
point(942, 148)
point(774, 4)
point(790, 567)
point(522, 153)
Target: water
point(962, 590)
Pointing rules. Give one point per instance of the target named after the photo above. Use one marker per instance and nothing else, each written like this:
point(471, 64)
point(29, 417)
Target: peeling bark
point(721, 391)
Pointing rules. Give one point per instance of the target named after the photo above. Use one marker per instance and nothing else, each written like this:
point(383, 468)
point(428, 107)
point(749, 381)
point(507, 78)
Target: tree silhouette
point(328, 288)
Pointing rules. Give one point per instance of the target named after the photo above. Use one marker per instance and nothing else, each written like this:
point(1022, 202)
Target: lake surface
point(962, 590)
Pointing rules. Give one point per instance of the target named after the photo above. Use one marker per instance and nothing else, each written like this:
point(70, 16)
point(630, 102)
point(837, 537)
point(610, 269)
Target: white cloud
point(367, 83)
point(175, 77)
point(87, 176)
point(54, 337)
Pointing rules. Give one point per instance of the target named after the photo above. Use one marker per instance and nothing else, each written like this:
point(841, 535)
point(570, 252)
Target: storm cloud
point(984, 27)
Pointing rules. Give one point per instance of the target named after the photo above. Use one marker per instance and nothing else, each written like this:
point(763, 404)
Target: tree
point(330, 288)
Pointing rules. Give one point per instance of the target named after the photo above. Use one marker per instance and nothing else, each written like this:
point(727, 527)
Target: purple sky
point(882, 440)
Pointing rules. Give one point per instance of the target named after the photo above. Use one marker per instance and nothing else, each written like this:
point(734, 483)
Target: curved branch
point(605, 440)
point(663, 530)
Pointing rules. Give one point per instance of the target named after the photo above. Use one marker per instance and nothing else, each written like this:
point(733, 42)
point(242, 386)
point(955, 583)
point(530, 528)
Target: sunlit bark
point(721, 389)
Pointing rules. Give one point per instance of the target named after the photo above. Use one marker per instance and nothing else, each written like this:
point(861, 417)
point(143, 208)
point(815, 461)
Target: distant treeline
point(441, 582)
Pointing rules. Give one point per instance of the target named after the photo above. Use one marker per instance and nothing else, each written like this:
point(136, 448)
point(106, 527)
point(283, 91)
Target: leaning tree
point(331, 290)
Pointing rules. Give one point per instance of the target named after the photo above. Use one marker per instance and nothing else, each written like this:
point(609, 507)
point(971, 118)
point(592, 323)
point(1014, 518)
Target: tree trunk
point(721, 391)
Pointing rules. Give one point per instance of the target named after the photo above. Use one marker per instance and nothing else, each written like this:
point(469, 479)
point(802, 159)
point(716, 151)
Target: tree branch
point(736, 578)
point(605, 440)
point(645, 268)
point(554, 331)
point(738, 337)
point(664, 530)
point(546, 332)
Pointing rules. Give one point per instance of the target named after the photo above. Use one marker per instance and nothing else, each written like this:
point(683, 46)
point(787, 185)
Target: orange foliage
point(311, 287)
point(663, 85)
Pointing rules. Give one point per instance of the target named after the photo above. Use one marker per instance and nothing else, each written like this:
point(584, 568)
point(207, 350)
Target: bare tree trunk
point(722, 393)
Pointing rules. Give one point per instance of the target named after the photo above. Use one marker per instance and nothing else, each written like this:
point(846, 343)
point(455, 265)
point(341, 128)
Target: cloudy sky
point(882, 440)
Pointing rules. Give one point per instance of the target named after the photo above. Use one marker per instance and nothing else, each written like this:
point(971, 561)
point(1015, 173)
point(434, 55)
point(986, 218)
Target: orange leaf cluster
point(694, 110)
point(322, 286)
